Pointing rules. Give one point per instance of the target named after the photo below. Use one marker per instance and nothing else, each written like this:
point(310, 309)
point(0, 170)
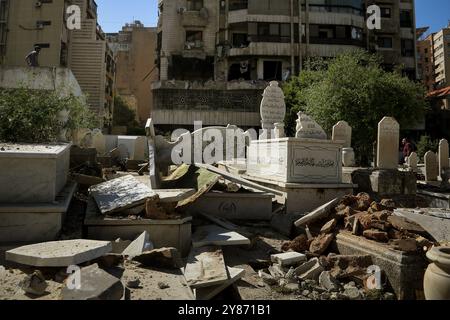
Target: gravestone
point(413, 161)
point(431, 166)
point(343, 132)
point(443, 157)
point(99, 141)
point(273, 108)
point(135, 145)
point(307, 128)
point(388, 143)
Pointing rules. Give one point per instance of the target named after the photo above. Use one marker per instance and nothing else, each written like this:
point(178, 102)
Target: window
point(192, 36)
point(240, 40)
point(285, 30)
point(194, 5)
point(274, 29)
point(385, 42)
point(407, 48)
point(405, 19)
point(385, 12)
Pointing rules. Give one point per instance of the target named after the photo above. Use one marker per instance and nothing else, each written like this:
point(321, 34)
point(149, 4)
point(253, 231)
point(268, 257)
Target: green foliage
point(34, 116)
point(353, 87)
point(123, 114)
point(426, 144)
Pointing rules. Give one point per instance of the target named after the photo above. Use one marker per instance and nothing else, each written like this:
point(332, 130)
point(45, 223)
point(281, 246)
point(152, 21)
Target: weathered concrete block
point(33, 173)
point(393, 182)
point(235, 206)
point(404, 271)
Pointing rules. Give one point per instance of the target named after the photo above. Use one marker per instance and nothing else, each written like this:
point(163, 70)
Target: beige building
point(92, 62)
point(425, 58)
point(26, 23)
point(215, 57)
point(441, 48)
point(135, 50)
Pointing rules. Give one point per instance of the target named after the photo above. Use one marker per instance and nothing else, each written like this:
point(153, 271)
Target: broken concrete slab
point(328, 282)
point(121, 193)
point(205, 268)
point(96, 284)
point(168, 258)
point(401, 224)
point(310, 270)
point(438, 228)
point(320, 244)
point(34, 284)
point(213, 235)
point(319, 213)
point(59, 253)
point(138, 246)
point(288, 259)
point(210, 292)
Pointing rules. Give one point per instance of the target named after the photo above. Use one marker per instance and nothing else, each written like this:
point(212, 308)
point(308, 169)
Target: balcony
point(194, 19)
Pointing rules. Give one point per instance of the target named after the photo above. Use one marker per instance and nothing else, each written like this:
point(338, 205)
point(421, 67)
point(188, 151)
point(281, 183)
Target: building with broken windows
point(215, 57)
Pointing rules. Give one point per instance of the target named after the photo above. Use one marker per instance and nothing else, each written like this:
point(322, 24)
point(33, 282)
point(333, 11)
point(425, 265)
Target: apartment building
point(93, 63)
point(26, 23)
point(215, 57)
point(425, 58)
point(441, 48)
point(135, 50)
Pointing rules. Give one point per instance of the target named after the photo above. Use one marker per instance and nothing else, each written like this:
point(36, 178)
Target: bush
point(33, 116)
point(426, 144)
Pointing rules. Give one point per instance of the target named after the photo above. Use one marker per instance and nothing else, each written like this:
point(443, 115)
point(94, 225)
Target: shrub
point(34, 116)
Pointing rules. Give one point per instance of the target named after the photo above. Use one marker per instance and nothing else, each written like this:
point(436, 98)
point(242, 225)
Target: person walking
point(32, 58)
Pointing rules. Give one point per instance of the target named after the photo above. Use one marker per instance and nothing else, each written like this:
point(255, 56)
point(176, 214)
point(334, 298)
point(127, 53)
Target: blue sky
point(114, 14)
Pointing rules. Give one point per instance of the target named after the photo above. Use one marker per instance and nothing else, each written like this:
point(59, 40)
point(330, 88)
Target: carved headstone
point(413, 161)
point(343, 132)
point(388, 143)
point(443, 157)
point(431, 166)
point(152, 164)
point(307, 128)
point(273, 107)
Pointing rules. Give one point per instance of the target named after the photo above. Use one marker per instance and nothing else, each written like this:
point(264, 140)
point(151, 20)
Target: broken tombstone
point(310, 270)
point(288, 258)
point(138, 246)
point(96, 284)
point(166, 258)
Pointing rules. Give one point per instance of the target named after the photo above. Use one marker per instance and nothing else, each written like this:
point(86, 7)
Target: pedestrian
point(32, 58)
point(407, 148)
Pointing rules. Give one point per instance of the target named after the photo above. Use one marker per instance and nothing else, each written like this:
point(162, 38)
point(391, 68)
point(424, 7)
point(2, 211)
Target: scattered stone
point(163, 285)
point(363, 202)
point(402, 224)
point(110, 260)
point(327, 281)
point(276, 271)
point(325, 296)
point(389, 296)
point(352, 293)
point(291, 287)
point(96, 284)
point(59, 253)
point(34, 284)
point(329, 226)
point(306, 293)
point(309, 270)
point(288, 258)
point(406, 245)
point(321, 243)
point(133, 283)
point(376, 235)
point(138, 246)
point(382, 215)
point(267, 278)
point(388, 203)
point(168, 258)
point(299, 244)
point(213, 235)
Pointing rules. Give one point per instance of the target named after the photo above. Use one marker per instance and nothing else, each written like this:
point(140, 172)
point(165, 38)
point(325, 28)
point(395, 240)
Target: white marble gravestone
point(413, 161)
point(307, 128)
point(343, 132)
point(273, 108)
point(431, 166)
point(443, 156)
point(388, 143)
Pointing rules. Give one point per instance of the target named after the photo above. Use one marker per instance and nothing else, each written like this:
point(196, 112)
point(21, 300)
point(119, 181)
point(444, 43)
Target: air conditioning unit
point(38, 4)
point(181, 10)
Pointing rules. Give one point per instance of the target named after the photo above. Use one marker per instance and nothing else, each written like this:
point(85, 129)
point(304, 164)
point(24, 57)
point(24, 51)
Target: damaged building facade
point(216, 57)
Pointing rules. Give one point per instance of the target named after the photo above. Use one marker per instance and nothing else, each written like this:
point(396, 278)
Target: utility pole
point(300, 37)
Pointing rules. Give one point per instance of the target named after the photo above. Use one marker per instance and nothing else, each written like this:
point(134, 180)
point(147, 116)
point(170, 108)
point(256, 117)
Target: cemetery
point(245, 217)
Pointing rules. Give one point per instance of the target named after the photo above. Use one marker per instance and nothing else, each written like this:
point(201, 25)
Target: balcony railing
point(312, 40)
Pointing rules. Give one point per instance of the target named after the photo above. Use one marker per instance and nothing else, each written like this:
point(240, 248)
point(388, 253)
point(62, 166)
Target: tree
point(123, 114)
point(33, 116)
point(353, 87)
